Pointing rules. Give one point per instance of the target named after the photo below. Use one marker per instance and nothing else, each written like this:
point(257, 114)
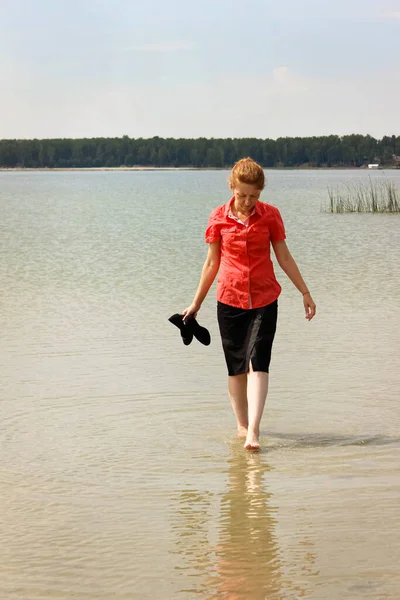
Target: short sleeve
point(277, 228)
point(213, 233)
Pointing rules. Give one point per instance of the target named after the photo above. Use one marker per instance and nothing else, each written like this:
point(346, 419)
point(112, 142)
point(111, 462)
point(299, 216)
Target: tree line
point(324, 151)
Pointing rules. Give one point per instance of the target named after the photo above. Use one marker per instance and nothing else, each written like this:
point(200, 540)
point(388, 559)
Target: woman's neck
point(241, 213)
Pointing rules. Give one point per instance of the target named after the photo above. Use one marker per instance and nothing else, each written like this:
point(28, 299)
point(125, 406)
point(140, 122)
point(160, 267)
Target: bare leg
point(237, 388)
point(257, 389)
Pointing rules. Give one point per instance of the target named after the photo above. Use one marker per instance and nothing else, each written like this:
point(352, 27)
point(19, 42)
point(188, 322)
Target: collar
point(228, 207)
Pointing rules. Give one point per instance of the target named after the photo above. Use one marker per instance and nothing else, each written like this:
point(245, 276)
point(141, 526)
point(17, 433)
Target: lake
point(121, 476)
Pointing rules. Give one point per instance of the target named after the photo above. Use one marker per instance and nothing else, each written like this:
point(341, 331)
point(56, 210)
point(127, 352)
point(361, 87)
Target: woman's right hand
point(193, 309)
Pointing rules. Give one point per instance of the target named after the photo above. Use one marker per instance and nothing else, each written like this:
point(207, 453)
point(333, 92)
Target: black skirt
point(247, 335)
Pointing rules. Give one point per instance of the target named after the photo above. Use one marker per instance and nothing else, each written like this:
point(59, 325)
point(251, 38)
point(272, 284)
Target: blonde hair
point(246, 170)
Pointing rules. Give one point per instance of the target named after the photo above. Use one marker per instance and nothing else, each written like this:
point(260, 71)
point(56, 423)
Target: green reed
point(374, 197)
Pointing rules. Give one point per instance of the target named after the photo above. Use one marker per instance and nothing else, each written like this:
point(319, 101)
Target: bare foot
point(242, 431)
point(252, 442)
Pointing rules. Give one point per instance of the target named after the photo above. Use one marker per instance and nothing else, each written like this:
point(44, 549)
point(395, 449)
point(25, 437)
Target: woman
point(239, 235)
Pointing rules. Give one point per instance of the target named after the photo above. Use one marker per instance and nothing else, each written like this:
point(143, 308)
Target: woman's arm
point(289, 266)
point(208, 274)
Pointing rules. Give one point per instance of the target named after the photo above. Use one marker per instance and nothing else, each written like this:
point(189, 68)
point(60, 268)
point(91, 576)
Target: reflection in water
point(232, 552)
point(247, 556)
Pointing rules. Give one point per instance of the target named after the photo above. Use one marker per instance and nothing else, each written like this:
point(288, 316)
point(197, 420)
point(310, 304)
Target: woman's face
point(246, 196)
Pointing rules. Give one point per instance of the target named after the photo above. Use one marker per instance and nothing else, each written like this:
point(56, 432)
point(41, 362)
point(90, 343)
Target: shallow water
point(121, 476)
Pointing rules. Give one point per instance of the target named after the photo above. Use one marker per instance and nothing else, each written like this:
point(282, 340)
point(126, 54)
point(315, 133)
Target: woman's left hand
point(309, 306)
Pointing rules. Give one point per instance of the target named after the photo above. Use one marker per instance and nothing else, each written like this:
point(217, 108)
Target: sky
point(210, 68)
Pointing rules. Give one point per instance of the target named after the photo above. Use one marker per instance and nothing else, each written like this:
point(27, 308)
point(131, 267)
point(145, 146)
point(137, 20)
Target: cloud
point(285, 82)
point(393, 15)
point(281, 103)
point(280, 74)
point(176, 46)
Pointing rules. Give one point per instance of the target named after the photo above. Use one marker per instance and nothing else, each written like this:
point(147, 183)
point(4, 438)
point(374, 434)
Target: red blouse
point(246, 275)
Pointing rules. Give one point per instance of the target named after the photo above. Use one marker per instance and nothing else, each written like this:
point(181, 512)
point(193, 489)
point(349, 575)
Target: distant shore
point(46, 169)
point(198, 154)
point(137, 168)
